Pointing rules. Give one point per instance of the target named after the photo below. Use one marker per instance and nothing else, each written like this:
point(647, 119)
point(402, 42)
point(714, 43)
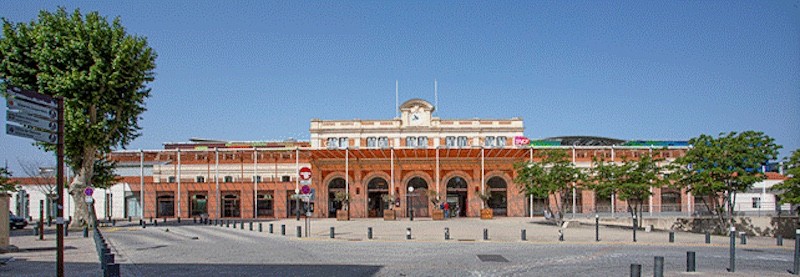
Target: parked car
point(16, 221)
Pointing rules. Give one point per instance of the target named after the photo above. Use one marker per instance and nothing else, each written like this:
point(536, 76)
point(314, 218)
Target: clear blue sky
point(261, 70)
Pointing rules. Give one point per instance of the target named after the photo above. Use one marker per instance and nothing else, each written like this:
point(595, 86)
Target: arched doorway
point(457, 196)
point(497, 202)
point(418, 200)
point(375, 188)
point(230, 205)
point(198, 203)
point(334, 186)
point(166, 206)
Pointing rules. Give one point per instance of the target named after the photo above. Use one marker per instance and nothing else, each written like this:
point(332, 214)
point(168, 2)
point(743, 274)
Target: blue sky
point(261, 70)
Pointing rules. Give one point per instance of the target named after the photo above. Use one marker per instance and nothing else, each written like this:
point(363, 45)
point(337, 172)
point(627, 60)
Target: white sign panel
point(31, 133)
point(32, 96)
point(31, 108)
point(30, 120)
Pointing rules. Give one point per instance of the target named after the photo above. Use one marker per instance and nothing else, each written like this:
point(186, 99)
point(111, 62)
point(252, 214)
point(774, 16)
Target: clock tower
point(416, 113)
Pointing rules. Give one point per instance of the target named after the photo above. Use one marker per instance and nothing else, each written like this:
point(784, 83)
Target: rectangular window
point(488, 142)
point(372, 142)
point(333, 143)
point(462, 142)
point(286, 178)
point(200, 179)
point(411, 141)
point(228, 179)
point(344, 142)
point(756, 202)
point(383, 142)
point(257, 179)
point(501, 141)
point(422, 142)
point(171, 179)
point(450, 141)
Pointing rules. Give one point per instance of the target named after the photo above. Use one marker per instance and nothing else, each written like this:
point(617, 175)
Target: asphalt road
point(203, 250)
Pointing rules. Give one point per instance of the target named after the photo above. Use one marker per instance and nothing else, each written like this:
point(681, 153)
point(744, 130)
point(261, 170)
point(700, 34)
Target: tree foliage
point(6, 185)
point(98, 68)
point(630, 180)
point(717, 168)
point(554, 175)
point(791, 186)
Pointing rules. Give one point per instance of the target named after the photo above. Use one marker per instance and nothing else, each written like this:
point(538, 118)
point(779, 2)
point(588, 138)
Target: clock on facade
point(416, 118)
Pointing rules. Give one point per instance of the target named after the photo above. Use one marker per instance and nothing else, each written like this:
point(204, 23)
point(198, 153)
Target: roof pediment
point(416, 102)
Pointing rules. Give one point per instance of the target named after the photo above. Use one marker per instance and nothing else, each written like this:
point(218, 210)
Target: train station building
point(444, 161)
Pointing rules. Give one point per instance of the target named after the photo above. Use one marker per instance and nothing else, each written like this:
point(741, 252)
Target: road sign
point(30, 120)
point(32, 96)
point(305, 173)
point(26, 132)
point(88, 191)
point(305, 190)
point(31, 108)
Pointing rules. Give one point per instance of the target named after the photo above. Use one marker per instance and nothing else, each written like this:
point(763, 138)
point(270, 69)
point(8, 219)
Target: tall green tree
point(717, 168)
point(101, 72)
point(791, 186)
point(631, 180)
point(552, 178)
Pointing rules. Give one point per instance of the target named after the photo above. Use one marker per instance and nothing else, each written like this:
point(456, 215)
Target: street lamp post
point(411, 207)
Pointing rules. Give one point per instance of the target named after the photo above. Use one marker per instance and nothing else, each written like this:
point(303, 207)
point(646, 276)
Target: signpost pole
point(60, 185)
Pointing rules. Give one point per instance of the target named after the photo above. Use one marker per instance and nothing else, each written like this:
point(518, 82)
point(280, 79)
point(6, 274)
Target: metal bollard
point(179, 220)
point(227, 223)
point(299, 232)
point(194, 220)
point(112, 270)
point(708, 237)
point(658, 266)
point(690, 261)
point(141, 222)
point(241, 225)
point(165, 220)
point(671, 237)
point(155, 223)
point(129, 219)
point(332, 233)
point(151, 219)
point(796, 266)
point(260, 227)
point(780, 240)
point(446, 233)
point(113, 223)
point(743, 235)
point(596, 228)
point(732, 267)
point(234, 224)
point(36, 230)
point(524, 235)
point(636, 270)
point(251, 226)
point(283, 229)
point(485, 234)
point(144, 225)
point(270, 228)
point(408, 233)
point(85, 232)
point(369, 232)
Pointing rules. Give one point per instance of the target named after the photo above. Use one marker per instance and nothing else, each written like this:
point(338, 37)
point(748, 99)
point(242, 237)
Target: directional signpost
point(41, 118)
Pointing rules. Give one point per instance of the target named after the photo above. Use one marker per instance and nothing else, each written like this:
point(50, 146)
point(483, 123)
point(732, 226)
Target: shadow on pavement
point(250, 270)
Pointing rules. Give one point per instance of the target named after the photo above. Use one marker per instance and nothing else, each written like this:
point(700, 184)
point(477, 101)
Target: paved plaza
point(193, 249)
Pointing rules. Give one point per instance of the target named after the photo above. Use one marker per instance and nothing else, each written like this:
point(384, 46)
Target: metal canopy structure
point(420, 153)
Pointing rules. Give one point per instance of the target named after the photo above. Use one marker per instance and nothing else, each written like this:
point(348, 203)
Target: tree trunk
point(83, 179)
